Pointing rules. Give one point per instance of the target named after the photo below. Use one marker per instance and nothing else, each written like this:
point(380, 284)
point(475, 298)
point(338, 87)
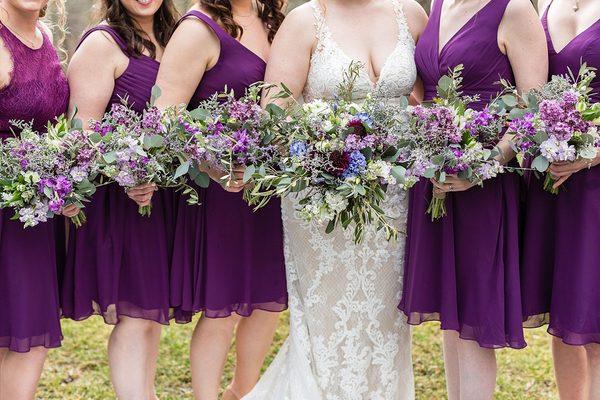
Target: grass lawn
point(79, 369)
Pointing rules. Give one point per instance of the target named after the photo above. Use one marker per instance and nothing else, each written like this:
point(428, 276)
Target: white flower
point(557, 150)
point(335, 201)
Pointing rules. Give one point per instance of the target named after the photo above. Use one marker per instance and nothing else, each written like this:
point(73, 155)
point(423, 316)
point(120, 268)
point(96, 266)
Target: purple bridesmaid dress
point(227, 259)
point(118, 262)
point(29, 300)
point(463, 270)
point(560, 249)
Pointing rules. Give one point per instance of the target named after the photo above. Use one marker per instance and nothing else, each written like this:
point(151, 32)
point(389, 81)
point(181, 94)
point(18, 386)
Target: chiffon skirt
point(561, 258)
point(118, 262)
point(227, 259)
point(463, 269)
point(29, 298)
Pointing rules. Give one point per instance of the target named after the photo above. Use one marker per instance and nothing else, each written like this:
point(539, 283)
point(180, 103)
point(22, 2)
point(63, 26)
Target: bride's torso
point(329, 63)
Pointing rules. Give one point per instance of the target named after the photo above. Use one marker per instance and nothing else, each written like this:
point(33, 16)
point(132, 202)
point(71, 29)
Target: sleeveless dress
point(560, 256)
point(227, 259)
point(118, 262)
point(463, 270)
point(29, 300)
point(347, 339)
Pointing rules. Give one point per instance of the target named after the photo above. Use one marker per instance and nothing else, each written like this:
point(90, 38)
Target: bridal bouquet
point(561, 126)
point(42, 173)
point(136, 149)
point(449, 138)
point(229, 134)
point(340, 158)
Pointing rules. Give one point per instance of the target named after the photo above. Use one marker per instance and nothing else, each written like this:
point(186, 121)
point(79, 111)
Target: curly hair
point(54, 15)
point(116, 15)
point(269, 11)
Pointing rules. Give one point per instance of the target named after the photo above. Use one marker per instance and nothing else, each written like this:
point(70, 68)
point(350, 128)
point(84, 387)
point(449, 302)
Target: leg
point(152, 364)
point(253, 340)
point(131, 347)
point(3, 353)
point(477, 371)
point(570, 369)
point(210, 344)
point(593, 356)
point(21, 373)
point(451, 364)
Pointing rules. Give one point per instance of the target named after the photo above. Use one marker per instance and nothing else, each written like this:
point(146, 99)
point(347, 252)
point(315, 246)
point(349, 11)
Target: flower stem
point(145, 211)
point(79, 219)
point(437, 206)
point(549, 183)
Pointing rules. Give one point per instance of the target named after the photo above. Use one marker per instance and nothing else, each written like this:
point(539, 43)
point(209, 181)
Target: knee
point(220, 326)
point(593, 353)
point(140, 326)
point(38, 354)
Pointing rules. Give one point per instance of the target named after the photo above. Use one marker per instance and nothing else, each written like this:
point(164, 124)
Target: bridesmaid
point(560, 258)
point(118, 262)
point(470, 281)
point(32, 87)
point(228, 261)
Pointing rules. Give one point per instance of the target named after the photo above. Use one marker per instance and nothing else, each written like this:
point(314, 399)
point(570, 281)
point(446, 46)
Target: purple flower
point(242, 141)
point(55, 205)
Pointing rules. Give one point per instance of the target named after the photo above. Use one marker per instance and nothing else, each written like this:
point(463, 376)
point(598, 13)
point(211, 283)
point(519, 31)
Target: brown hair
point(269, 11)
point(116, 15)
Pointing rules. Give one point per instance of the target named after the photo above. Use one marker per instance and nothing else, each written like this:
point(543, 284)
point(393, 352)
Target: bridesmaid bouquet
point(560, 125)
point(449, 138)
point(135, 149)
point(228, 134)
point(42, 173)
point(340, 157)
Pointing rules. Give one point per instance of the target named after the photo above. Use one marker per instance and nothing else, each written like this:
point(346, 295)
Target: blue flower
point(358, 164)
point(298, 149)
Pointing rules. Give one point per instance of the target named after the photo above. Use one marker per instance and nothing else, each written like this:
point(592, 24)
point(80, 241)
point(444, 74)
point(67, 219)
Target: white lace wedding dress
point(348, 340)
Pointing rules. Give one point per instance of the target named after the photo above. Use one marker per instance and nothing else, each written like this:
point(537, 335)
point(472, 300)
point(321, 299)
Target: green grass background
point(79, 369)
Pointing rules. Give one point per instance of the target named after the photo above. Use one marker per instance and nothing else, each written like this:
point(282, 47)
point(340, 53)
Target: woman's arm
point(92, 73)
point(291, 52)
point(193, 49)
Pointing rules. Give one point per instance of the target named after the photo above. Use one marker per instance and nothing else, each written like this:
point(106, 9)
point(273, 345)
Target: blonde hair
point(54, 16)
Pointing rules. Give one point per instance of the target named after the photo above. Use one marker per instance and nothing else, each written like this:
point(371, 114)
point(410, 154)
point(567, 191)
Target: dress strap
point(322, 32)
point(112, 32)
point(221, 33)
point(403, 30)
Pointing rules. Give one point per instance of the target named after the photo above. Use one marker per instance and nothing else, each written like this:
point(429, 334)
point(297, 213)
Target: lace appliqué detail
point(348, 341)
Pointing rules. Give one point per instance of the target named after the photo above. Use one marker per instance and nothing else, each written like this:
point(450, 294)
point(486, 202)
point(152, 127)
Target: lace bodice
point(329, 62)
point(38, 90)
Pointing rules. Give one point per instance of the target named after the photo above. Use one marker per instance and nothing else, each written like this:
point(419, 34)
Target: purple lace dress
point(29, 304)
point(227, 258)
point(560, 248)
point(463, 270)
point(118, 262)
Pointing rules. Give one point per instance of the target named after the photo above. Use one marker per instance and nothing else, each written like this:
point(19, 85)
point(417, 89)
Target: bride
point(347, 339)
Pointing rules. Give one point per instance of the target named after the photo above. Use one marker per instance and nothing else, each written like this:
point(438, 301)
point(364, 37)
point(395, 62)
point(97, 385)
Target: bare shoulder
point(519, 10)
point(5, 65)
point(299, 25)
point(302, 17)
point(193, 28)
point(416, 17)
point(98, 44)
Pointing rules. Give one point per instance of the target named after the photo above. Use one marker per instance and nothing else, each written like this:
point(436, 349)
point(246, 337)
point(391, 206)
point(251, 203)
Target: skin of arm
point(416, 18)
point(179, 84)
point(98, 57)
point(522, 38)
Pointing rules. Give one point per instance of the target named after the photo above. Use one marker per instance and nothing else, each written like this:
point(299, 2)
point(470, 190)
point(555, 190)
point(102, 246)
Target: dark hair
point(116, 15)
point(269, 11)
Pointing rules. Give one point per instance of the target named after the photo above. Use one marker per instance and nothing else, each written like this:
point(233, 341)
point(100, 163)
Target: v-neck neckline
point(570, 42)
point(440, 49)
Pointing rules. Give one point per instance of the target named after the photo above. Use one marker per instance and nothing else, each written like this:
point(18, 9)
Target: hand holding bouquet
point(449, 139)
point(560, 126)
point(340, 158)
point(42, 173)
point(234, 136)
point(135, 149)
